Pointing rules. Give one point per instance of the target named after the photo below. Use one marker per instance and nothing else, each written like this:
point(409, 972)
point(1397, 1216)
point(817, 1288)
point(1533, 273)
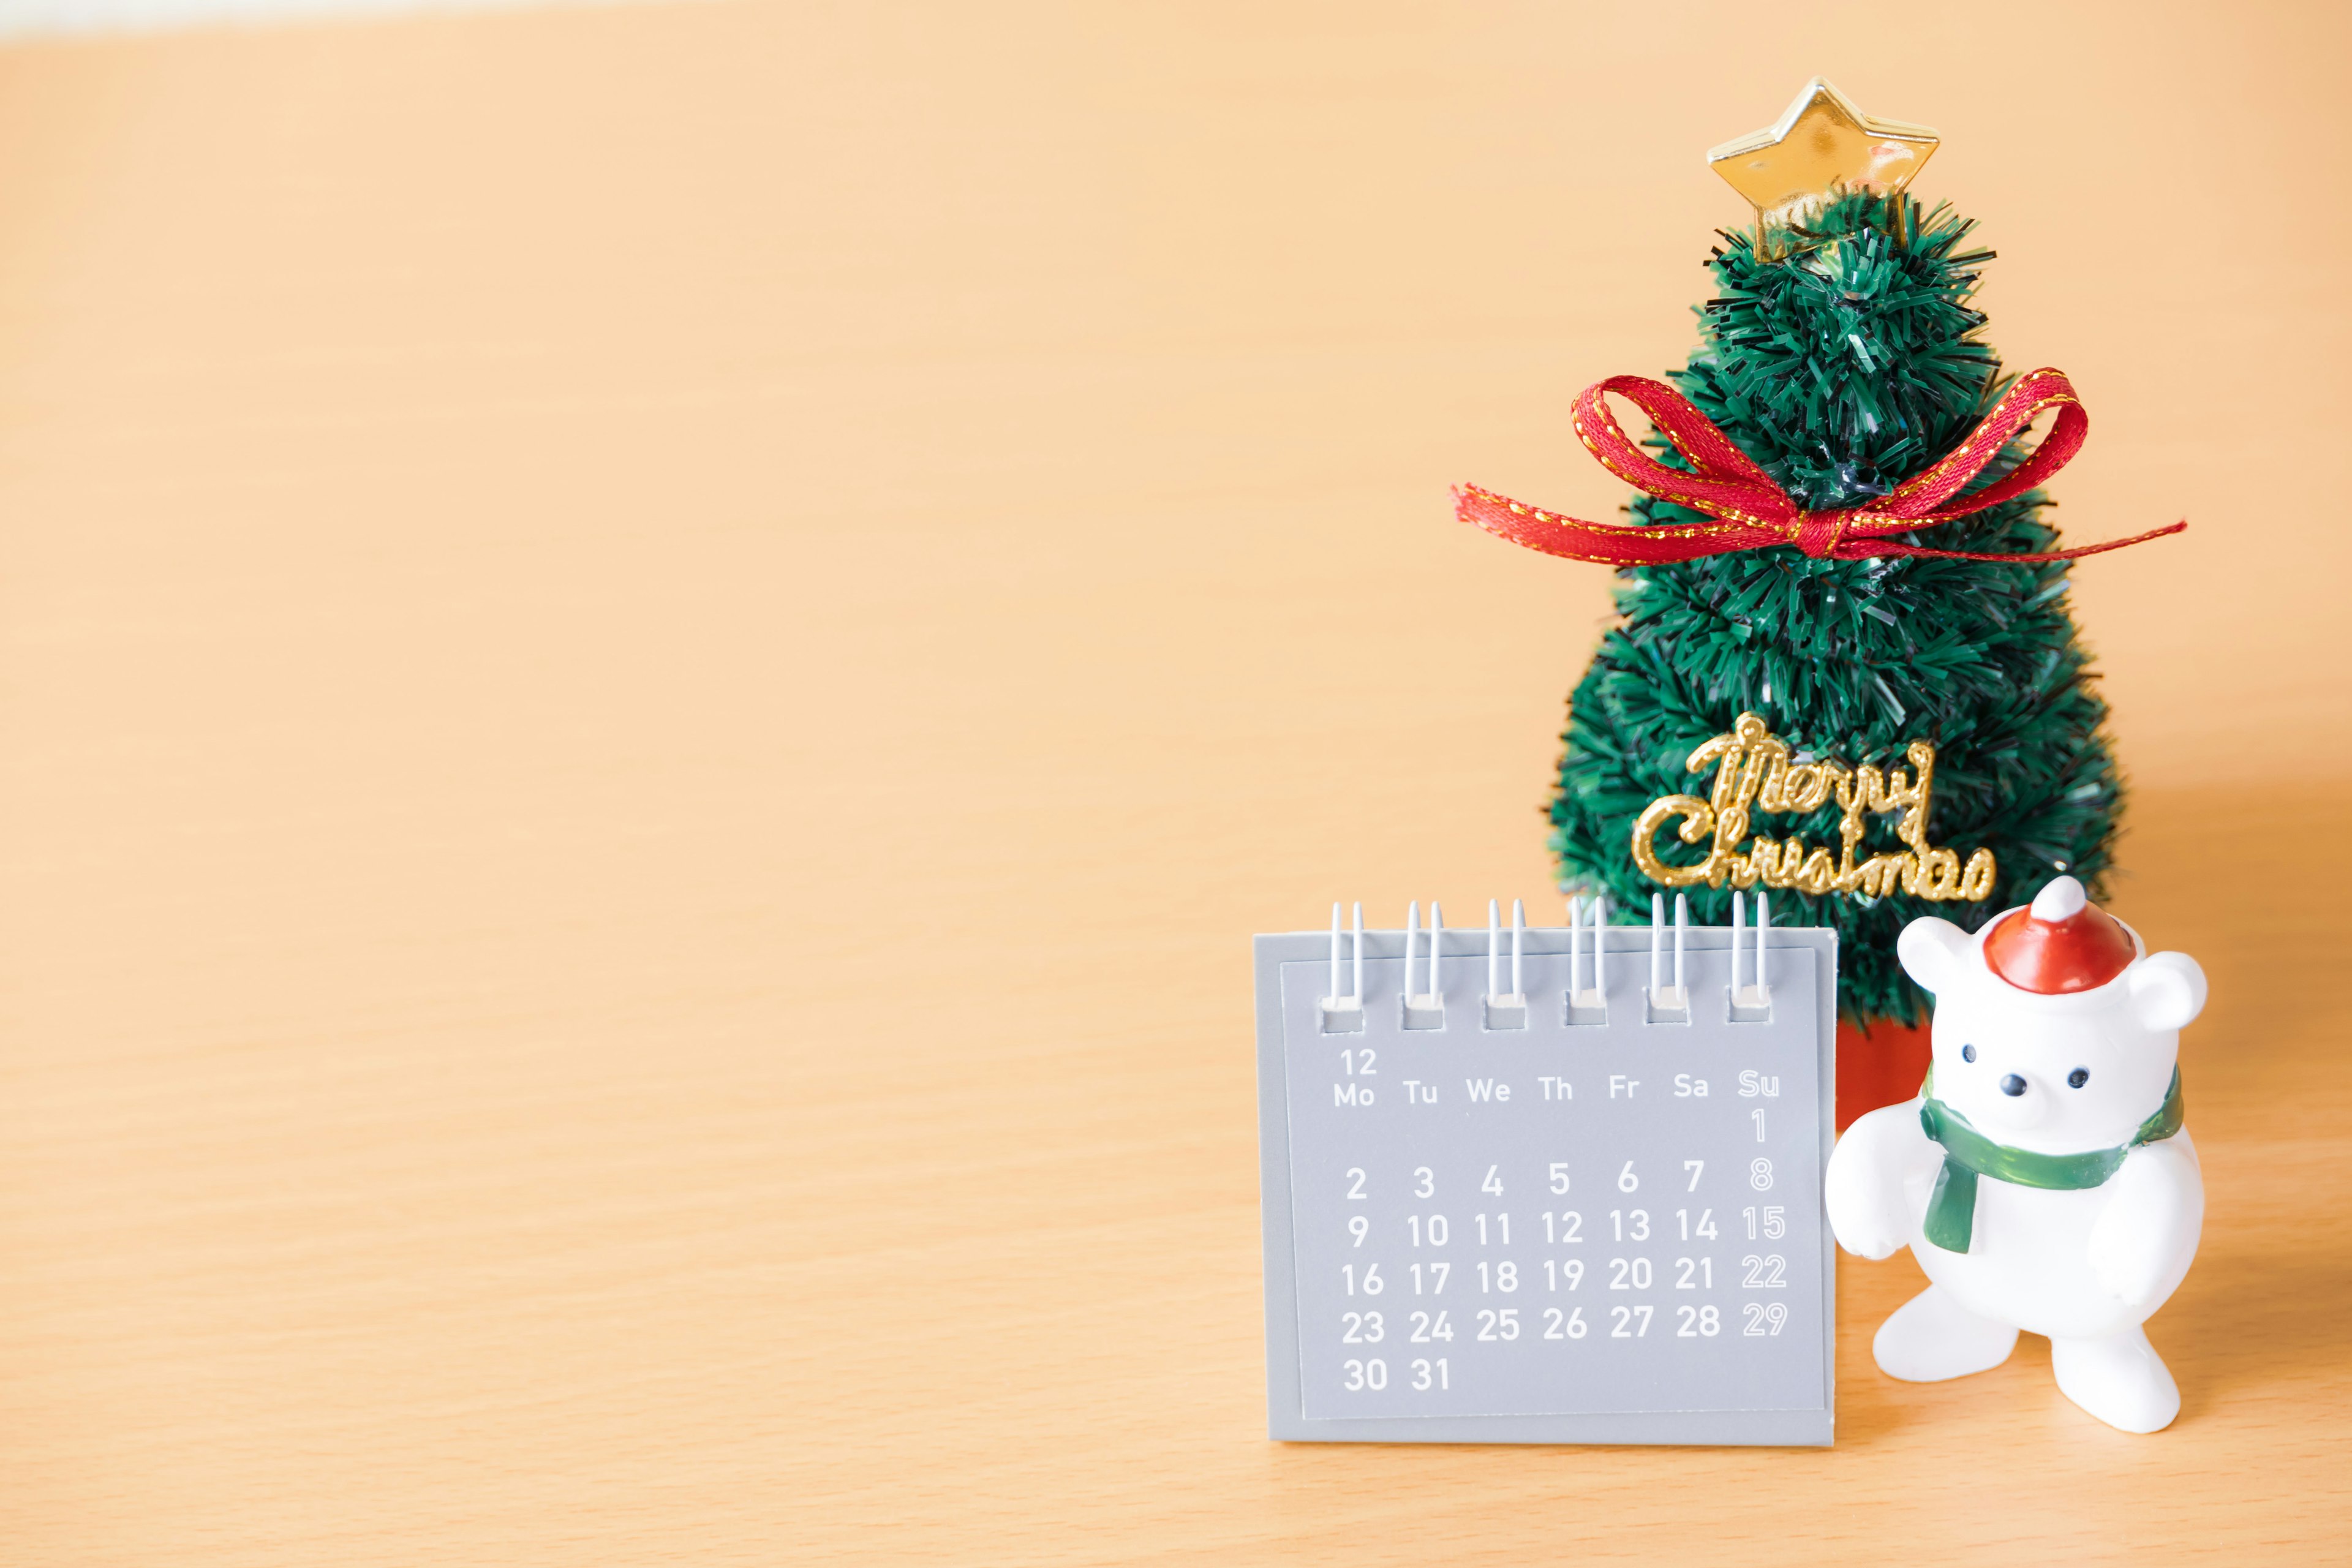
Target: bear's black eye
point(1968, 1053)
point(2078, 1078)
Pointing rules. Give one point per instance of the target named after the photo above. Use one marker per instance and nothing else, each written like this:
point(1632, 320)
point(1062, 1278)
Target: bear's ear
point(2167, 990)
point(1930, 951)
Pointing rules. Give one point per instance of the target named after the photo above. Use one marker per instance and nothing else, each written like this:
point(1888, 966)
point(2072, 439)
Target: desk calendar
point(1547, 1186)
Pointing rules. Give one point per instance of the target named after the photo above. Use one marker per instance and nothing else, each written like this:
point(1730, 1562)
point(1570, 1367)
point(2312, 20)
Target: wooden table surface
point(656, 662)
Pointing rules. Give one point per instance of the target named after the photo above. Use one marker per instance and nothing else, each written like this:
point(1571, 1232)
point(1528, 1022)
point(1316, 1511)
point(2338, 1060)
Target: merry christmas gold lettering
point(1754, 774)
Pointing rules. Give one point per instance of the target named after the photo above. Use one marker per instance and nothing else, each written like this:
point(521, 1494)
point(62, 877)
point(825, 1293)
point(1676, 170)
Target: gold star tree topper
point(1822, 143)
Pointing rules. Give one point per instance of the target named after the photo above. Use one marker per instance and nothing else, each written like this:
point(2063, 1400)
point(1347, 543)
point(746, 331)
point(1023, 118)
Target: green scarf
point(1968, 1153)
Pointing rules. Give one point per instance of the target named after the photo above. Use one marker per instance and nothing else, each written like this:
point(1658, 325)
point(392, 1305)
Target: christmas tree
point(1841, 355)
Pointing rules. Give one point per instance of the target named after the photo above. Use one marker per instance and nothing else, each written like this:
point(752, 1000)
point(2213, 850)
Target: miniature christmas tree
point(1841, 355)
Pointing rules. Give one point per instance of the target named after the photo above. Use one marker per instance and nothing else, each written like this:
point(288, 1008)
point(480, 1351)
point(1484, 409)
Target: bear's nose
point(2012, 1086)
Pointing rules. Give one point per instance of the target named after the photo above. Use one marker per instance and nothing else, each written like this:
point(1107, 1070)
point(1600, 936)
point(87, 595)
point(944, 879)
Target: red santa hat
point(2060, 943)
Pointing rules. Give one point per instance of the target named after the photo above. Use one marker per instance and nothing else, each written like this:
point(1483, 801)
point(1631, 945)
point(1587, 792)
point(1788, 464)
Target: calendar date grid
point(1537, 1287)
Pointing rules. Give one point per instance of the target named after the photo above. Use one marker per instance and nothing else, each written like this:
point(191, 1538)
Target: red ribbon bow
point(1751, 513)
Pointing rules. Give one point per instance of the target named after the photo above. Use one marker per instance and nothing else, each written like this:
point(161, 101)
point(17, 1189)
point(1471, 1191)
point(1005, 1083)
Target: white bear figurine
point(2042, 1179)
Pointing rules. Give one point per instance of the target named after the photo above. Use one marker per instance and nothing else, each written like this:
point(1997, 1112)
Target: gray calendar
point(1547, 1186)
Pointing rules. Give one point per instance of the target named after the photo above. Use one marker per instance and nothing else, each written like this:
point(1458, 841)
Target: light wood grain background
point(655, 661)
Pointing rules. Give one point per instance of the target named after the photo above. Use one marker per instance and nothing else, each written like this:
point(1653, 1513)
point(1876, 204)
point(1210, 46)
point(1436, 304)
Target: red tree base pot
point(1882, 1065)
